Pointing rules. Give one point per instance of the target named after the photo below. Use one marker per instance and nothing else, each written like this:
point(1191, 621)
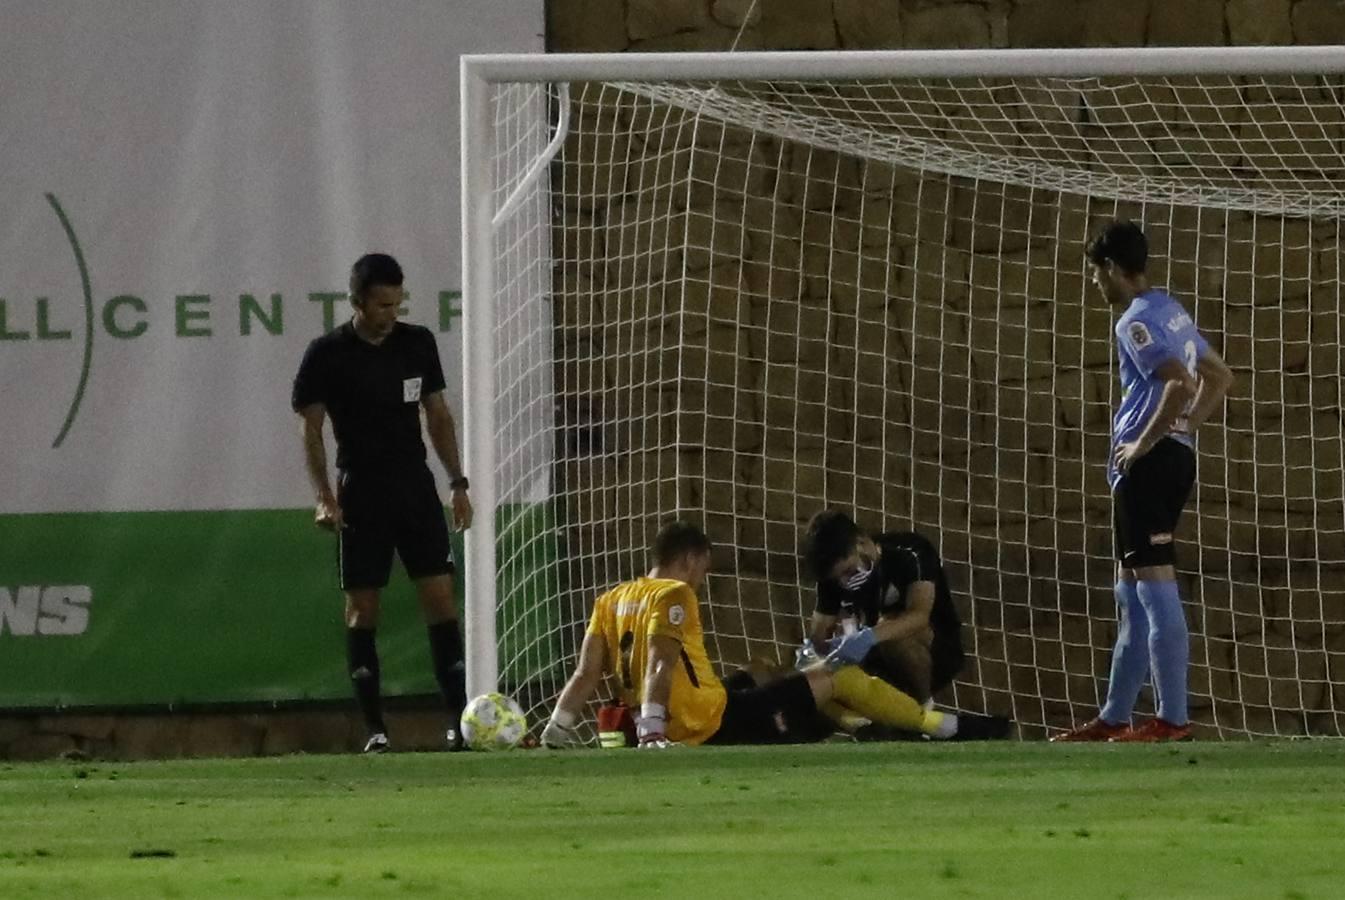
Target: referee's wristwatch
point(460, 483)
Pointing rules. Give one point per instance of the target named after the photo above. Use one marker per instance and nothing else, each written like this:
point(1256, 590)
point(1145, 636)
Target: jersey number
point(1189, 351)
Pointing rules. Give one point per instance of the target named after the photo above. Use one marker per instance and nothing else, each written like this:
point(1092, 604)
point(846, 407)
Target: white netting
point(1268, 146)
point(767, 298)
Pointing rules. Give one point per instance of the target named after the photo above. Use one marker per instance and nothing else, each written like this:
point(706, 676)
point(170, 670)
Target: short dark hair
point(374, 270)
point(831, 537)
point(677, 539)
point(1123, 243)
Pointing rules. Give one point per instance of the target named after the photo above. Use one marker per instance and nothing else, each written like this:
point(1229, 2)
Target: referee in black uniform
point(372, 376)
point(893, 586)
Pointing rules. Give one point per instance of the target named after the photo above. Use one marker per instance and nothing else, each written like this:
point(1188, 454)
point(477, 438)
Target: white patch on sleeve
point(676, 614)
point(1139, 335)
point(410, 390)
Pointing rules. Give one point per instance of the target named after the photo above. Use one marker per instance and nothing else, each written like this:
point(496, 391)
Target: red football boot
point(1094, 730)
point(1154, 731)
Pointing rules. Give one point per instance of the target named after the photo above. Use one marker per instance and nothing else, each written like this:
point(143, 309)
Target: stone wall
point(646, 25)
point(753, 328)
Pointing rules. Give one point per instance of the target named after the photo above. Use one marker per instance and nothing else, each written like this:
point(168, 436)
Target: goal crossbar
point(888, 64)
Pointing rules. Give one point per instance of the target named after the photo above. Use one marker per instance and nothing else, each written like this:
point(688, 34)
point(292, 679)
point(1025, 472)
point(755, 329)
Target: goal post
point(741, 288)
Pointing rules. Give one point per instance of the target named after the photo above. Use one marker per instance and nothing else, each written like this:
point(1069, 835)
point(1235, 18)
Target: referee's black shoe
point(453, 740)
point(971, 727)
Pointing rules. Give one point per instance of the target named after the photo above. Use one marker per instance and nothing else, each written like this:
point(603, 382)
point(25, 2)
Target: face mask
point(859, 577)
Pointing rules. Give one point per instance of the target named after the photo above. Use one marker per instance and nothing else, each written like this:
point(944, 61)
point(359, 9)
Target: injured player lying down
point(646, 633)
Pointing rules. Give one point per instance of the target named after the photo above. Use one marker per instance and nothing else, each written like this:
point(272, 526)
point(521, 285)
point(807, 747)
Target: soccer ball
point(493, 722)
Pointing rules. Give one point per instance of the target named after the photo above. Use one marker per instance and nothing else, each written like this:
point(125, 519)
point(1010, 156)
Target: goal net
point(742, 289)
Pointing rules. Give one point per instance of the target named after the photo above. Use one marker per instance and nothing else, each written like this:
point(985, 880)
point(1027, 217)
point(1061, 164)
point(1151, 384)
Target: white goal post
point(739, 288)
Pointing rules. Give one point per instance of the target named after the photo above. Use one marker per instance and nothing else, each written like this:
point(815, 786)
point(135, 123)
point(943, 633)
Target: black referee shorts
point(779, 712)
point(384, 514)
point(1148, 501)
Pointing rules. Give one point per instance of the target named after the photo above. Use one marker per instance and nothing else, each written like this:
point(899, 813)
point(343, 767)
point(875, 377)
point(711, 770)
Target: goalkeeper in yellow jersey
point(647, 634)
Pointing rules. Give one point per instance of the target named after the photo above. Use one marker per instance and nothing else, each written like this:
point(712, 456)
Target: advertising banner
point(184, 187)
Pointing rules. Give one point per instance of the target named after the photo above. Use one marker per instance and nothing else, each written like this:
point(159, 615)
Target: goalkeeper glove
point(561, 733)
point(852, 648)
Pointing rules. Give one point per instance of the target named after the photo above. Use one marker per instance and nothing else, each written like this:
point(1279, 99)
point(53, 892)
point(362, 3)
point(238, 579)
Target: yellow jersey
point(627, 616)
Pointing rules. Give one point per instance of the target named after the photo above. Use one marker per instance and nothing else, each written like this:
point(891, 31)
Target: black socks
point(362, 663)
point(449, 670)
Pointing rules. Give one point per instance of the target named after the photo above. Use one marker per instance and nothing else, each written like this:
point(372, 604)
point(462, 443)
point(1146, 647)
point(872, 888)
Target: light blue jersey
point(1152, 331)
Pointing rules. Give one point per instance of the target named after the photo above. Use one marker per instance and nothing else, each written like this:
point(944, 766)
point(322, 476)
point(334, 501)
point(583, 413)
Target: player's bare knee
point(436, 599)
point(357, 618)
point(361, 610)
point(912, 652)
point(819, 682)
point(909, 666)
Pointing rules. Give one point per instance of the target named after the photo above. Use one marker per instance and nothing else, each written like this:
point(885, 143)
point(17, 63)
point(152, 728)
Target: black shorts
point(388, 513)
point(779, 712)
point(1148, 501)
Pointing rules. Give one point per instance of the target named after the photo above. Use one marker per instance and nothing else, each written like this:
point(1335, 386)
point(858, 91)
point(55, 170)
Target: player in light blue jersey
point(1171, 380)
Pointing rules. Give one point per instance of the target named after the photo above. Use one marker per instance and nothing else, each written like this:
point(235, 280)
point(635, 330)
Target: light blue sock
point(1169, 647)
point(1130, 658)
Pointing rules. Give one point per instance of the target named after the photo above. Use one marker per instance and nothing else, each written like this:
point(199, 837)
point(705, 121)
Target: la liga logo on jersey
point(676, 614)
point(1140, 336)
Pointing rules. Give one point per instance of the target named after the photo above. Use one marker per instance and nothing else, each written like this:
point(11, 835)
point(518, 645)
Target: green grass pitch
point(833, 820)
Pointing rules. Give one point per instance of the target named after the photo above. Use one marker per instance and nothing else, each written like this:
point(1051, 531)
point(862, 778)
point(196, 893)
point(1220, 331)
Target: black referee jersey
point(372, 393)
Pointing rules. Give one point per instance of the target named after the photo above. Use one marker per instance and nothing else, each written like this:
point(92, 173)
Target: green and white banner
point(183, 187)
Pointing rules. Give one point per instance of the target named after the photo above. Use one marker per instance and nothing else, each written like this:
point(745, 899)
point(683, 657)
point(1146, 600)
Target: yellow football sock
point(879, 701)
point(844, 718)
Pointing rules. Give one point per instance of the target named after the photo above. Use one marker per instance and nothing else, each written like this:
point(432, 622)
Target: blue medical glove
point(852, 648)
